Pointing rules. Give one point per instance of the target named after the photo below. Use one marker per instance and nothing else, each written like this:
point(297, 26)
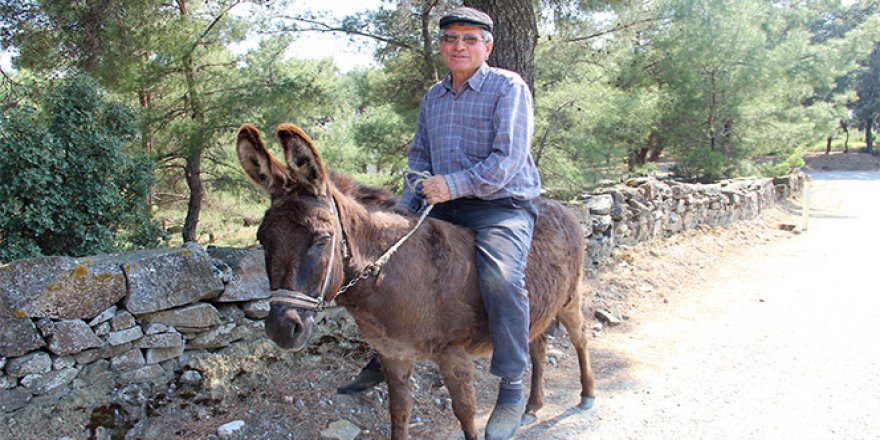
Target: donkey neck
point(370, 230)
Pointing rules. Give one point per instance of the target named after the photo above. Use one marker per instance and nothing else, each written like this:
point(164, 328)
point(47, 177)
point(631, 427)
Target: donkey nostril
point(298, 324)
point(296, 320)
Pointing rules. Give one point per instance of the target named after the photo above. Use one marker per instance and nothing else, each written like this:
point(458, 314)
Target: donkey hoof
point(528, 418)
point(586, 403)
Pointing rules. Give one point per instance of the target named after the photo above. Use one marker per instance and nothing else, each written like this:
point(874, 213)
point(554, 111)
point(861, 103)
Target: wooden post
point(805, 208)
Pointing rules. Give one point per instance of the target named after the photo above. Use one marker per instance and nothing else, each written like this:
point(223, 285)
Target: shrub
point(704, 166)
point(67, 184)
point(789, 163)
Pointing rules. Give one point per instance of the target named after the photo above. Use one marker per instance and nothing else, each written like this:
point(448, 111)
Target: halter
point(301, 299)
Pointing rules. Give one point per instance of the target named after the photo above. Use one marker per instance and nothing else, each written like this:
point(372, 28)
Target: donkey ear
point(302, 158)
point(263, 168)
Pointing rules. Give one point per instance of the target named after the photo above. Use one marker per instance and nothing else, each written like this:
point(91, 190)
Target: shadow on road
point(612, 370)
point(549, 424)
point(845, 175)
point(613, 375)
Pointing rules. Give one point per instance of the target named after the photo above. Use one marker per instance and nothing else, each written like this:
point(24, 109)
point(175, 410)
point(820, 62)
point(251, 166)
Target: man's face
point(463, 55)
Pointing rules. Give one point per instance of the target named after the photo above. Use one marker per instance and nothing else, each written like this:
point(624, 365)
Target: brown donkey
point(323, 230)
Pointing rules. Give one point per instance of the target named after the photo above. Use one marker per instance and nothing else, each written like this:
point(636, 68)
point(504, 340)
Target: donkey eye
point(321, 240)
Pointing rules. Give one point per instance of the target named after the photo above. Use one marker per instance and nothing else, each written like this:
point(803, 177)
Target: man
point(473, 135)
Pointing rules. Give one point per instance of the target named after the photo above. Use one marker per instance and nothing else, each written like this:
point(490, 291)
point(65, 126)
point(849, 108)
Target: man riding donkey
point(473, 135)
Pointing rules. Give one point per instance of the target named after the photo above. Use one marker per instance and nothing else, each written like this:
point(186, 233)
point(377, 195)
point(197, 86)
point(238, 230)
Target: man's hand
point(435, 190)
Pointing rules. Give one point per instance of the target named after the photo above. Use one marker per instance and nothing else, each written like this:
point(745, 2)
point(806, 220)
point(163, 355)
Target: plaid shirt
point(478, 139)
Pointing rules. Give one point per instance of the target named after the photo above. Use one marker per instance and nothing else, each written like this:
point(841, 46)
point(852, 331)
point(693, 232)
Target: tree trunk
point(640, 156)
point(196, 193)
point(713, 108)
point(728, 131)
point(430, 68)
point(656, 148)
point(869, 138)
point(828, 145)
point(194, 159)
point(145, 98)
point(845, 128)
point(516, 35)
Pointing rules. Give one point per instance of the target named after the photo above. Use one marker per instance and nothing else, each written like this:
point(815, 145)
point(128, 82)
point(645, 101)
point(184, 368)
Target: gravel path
point(777, 341)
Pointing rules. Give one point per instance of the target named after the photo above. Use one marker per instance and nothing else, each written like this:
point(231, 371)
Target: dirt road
point(778, 341)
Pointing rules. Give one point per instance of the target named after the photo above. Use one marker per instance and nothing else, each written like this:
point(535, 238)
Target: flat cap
point(468, 16)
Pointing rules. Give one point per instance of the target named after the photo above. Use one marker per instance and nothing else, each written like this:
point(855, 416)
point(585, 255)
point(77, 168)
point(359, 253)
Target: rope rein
point(373, 269)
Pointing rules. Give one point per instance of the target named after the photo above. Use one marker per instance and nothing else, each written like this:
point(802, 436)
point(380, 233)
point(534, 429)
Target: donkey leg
point(573, 320)
point(538, 356)
point(397, 375)
point(457, 370)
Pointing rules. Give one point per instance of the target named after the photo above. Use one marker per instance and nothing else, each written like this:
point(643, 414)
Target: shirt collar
point(475, 82)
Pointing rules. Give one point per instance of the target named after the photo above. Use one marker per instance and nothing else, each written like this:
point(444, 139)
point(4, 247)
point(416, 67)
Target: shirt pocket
point(478, 137)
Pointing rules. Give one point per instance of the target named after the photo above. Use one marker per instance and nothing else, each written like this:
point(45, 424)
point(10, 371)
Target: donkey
point(323, 232)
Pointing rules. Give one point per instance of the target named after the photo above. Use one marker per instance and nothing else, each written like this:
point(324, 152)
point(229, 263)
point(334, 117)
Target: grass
point(225, 220)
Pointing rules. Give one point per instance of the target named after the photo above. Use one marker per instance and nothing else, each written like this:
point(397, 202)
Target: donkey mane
point(366, 195)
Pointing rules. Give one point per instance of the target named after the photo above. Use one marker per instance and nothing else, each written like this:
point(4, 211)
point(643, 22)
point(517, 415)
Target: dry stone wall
point(66, 323)
point(642, 209)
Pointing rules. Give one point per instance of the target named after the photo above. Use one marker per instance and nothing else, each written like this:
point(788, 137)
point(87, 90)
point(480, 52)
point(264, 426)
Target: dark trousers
point(503, 230)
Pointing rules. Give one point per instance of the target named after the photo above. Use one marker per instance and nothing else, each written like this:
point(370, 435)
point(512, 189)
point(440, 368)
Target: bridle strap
point(328, 276)
point(300, 299)
point(296, 299)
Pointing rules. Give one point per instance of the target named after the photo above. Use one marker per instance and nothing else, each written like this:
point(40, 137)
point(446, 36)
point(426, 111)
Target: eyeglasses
point(469, 39)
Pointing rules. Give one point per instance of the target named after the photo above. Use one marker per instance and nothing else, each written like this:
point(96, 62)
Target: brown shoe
point(370, 376)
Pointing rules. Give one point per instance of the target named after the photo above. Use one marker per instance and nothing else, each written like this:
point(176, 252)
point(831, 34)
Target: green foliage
point(595, 109)
point(67, 184)
point(741, 79)
point(868, 87)
point(786, 166)
point(705, 166)
point(385, 136)
point(110, 39)
point(267, 91)
point(711, 85)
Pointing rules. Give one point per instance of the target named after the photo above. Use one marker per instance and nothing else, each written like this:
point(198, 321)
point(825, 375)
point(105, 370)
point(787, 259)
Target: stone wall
point(131, 318)
point(68, 322)
point(642, 209)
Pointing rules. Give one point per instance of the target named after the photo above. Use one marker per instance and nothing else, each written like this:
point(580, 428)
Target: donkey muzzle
point(289, 328)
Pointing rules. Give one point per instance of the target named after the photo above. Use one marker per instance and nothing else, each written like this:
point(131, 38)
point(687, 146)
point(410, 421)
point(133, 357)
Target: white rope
point(373, 269)
point(420, 177)
point(387, 255)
